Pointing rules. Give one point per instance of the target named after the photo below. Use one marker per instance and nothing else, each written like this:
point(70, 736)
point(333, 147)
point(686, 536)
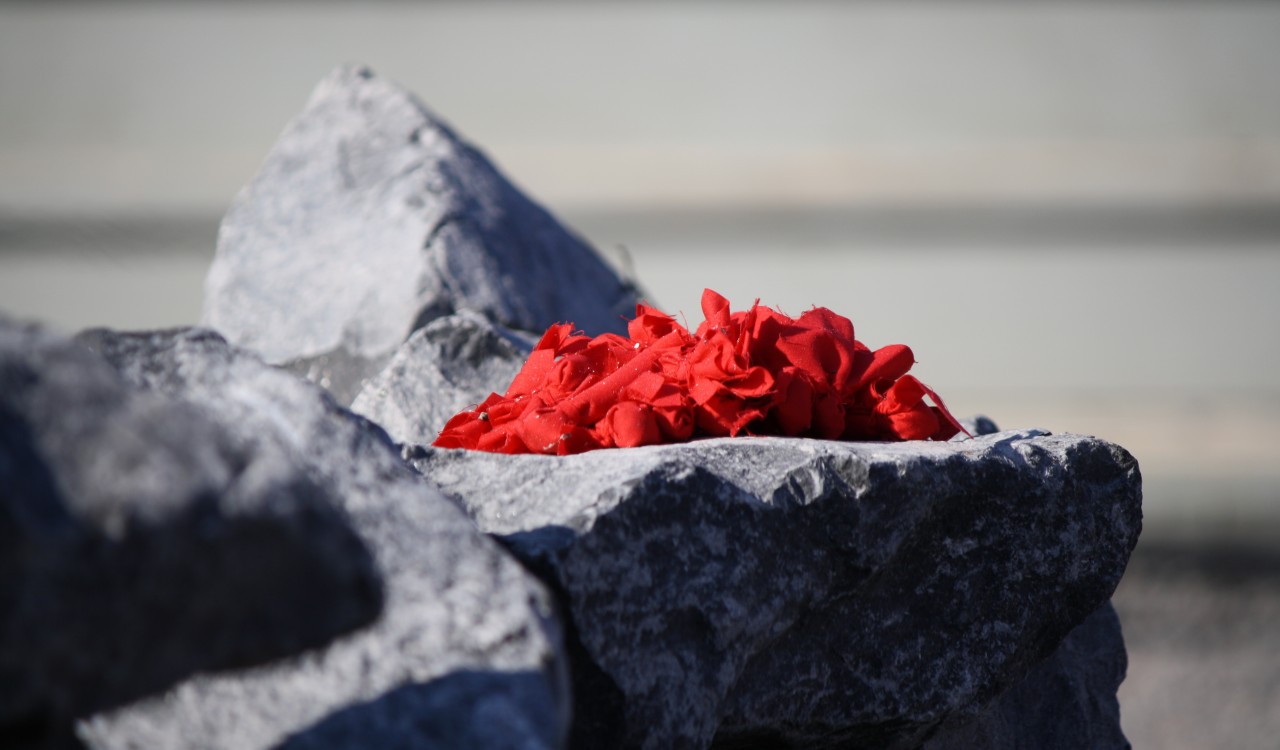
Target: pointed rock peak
point(369, 219)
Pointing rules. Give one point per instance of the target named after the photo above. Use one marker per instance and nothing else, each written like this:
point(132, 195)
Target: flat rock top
point(771, 470)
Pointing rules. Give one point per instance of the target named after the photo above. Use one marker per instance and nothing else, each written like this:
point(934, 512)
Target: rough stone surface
point(453, 363)
point(467, 646)
point(1066, 702)
point(141, 541)
point(370, 218)
point(768, 592)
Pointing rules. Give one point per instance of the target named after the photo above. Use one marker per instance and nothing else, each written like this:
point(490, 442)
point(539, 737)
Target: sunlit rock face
point(450, 365)
point(143, 539)
point(466, 651)
point(369, 219)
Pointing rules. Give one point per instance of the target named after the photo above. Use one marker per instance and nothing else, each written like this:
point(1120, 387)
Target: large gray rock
point(467, 649)
point(452, 364)
point(1066, 702)
point(771, 592)
point(142, 541)
point(369, 219)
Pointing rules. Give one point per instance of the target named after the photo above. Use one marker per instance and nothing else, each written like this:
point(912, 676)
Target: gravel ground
point(1202, 626)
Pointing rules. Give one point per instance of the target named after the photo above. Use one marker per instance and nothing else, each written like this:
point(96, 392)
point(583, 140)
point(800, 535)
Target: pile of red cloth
point(757, 371)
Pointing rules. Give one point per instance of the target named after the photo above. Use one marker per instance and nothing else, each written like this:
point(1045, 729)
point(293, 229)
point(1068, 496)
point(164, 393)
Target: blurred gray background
point(1070, 211)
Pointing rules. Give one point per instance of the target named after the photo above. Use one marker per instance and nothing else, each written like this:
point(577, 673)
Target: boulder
point(141, 541)
point(769, 592)
point(467, 649)
point(371, 218)
point(451, 364)
point(1066, 702)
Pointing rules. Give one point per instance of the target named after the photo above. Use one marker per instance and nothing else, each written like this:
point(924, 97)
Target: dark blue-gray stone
point(773, 592)
point(1066, 702)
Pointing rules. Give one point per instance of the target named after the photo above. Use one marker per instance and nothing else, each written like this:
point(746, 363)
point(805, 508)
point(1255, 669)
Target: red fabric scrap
point(756, 372)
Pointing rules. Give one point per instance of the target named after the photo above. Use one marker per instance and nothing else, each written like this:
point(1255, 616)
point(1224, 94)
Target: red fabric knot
point(756, 371)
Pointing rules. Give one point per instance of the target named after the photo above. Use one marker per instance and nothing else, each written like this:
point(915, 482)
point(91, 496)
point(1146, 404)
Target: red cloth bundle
point(756, 371)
